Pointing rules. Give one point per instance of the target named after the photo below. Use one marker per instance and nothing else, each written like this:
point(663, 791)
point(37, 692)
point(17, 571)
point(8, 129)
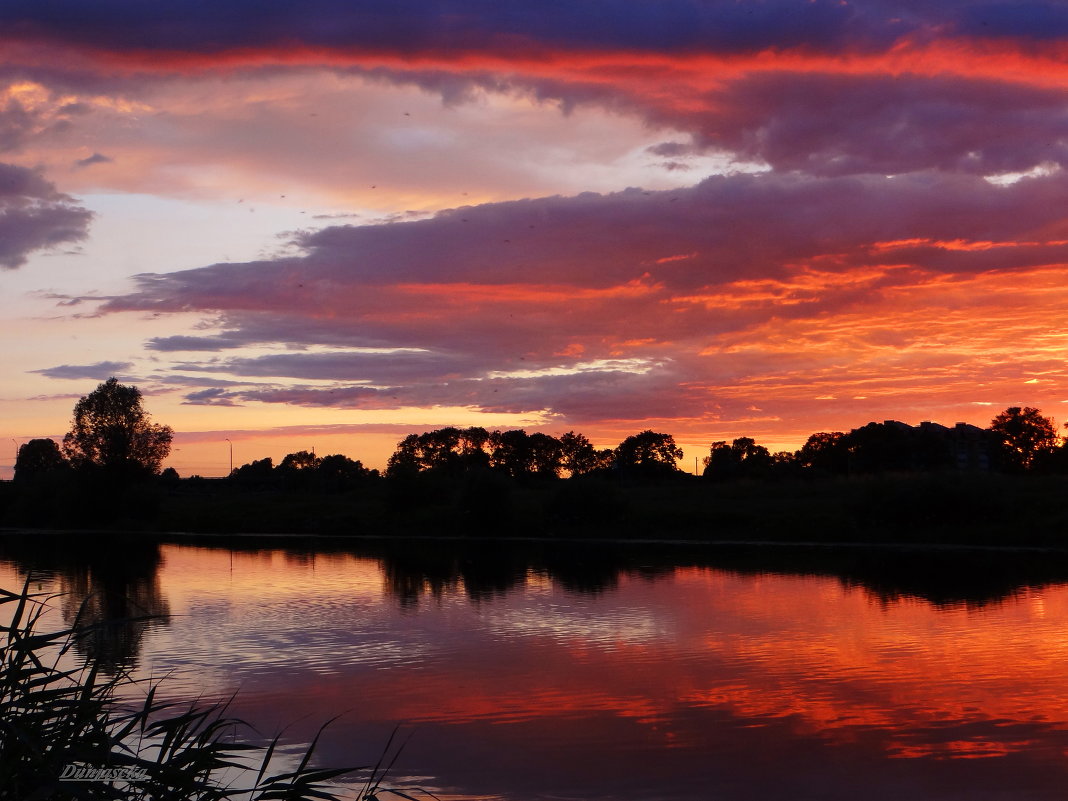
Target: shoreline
point(177, 536)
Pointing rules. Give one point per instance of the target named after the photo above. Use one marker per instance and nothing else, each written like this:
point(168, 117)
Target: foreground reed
point(65, 735)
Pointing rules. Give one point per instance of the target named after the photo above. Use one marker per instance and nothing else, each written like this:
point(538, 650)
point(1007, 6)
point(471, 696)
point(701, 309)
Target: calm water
point(615, 673)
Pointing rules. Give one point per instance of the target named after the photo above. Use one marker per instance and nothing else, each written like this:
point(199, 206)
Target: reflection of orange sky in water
point(833, 662)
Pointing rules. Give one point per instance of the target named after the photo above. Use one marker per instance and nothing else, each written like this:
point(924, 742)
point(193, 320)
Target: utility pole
point(231, 459)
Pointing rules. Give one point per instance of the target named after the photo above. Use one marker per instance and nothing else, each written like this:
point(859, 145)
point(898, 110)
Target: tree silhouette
point(648, 452)
point(112, 432)
point(1025, 434)
point(338, 472)
point(39, 458)
point(743, 458)
point(825, 452)
point(520, 454)
point(577, 454)
point(301, 460)
point(256, 474)
point(444, 450)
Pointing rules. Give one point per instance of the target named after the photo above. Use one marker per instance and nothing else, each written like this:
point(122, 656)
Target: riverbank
point(935, 509)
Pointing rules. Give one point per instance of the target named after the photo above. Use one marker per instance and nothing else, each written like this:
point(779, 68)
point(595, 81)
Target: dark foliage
point(825, 453)
point(521, 455)
point(1025, 437)
point(112, 433)
point(40, 459)
point(648, 454)
point(743, 458)
point(450, 451)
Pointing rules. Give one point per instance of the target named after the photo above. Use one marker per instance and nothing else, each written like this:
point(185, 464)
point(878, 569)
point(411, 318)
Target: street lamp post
point(231, 457)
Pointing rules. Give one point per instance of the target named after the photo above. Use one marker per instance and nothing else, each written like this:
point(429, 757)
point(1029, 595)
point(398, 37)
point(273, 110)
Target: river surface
point(529, 673)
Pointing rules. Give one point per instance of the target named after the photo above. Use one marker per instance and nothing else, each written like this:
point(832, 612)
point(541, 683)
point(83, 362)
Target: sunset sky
point(328, 224)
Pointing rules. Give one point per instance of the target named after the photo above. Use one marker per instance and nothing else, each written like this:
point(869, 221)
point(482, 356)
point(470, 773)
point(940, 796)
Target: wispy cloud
point(99, 370)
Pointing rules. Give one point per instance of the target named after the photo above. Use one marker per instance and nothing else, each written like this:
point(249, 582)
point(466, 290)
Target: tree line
point(113, 439)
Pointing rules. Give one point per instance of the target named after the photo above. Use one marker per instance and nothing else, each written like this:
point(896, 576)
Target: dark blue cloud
point(444, 25)
point(1018, 20)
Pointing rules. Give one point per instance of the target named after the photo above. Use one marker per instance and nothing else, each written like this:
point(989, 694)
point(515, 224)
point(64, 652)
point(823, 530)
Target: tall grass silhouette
point(57, 719)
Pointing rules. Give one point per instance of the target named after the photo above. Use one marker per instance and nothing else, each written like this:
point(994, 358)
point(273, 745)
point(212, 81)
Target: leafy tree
point(1026, 436)
point(255, 473)
point(546, 455)
point(509, 452)
point(297, 471)
point(442, 450)
point(112, 432)
point(577, 454)
point(301, 460)
point(520, 454)
point(445, 450)
point(39, 458)
point(338, 472)
point(605, 459)
point(405, 459)
point(825, 452)
point(742, 458)
point(882, 447)
point(473, 443)
point(784, 464)
point(720, 460)
point(649, 452)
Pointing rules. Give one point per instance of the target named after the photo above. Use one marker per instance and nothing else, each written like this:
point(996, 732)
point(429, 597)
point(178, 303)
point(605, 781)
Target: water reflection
point(109, 586)
point(944, 577)
point(414, 570)
point(633, 673)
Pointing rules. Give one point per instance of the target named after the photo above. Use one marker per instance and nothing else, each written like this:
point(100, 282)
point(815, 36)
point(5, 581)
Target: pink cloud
point(793, 290)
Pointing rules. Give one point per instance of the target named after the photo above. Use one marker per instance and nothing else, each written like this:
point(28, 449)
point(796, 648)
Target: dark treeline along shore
point(881, 482)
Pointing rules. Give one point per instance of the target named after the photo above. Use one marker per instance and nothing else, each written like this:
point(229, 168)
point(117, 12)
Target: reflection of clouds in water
point(259, 653)
point(720, 669)
point(304, 637)
point(570, 623)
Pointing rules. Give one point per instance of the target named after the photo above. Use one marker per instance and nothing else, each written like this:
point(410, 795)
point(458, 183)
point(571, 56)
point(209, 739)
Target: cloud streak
point(99, 370)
